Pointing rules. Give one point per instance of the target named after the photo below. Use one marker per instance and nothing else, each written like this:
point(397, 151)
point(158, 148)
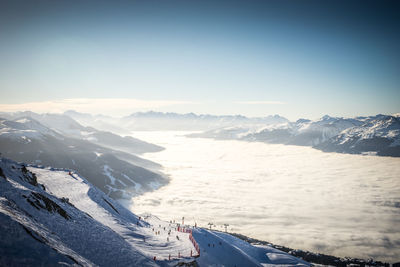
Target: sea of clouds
point(340, 204)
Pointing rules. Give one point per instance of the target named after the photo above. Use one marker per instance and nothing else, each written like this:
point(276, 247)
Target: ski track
point(78, 195)
point(69, 215)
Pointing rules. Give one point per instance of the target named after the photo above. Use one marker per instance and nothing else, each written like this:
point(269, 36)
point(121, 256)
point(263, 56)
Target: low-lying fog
point(345, 205)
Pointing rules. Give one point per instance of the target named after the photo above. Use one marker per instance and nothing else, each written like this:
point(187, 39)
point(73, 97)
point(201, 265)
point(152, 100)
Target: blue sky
point(293, 58)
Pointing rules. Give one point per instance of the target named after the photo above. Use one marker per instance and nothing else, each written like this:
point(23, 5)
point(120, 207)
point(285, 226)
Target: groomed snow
point(93, 229)
point(142, 237)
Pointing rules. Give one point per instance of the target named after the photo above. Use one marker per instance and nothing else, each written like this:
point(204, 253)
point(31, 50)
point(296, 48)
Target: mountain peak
point(326, 117)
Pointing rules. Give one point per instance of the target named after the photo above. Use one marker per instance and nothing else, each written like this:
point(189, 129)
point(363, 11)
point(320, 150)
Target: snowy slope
point(67, 126)
point(222, 249)
point(79, 221)
point(58, 218)
point(116, 173)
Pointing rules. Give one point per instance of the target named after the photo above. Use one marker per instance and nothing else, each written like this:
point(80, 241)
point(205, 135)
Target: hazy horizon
point(121, 115)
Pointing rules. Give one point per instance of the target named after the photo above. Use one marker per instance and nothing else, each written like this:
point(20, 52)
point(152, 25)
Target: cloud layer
point(340, 204)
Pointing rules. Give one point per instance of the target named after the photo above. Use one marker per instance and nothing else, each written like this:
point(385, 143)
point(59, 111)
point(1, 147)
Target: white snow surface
point(385, 128)
point(222, 249)
point(79, 195)
point(99, 231)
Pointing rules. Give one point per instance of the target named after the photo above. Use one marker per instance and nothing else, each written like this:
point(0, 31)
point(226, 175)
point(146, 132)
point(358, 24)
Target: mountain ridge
point(119, 174)
point(323, 134)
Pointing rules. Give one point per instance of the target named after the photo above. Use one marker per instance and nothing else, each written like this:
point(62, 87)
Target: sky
point(255, 58)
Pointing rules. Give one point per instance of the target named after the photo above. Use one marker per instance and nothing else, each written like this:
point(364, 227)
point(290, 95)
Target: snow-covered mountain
point(115, 173)
point(67, 126)
point(159, 121)
point(53, 217)
point(312, 133)
point(303, 132)
point(243, 131)
point(190, 121)
point(24, 128)
point(379, 134)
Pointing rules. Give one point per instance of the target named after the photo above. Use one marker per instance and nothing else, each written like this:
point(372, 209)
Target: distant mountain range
point(160, 121)
point(109, 160)
point(378, 134)
point(67, 144)
point(100, 122)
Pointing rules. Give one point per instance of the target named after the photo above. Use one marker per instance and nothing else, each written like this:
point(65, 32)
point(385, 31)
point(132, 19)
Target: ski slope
point(140, 235)
point(61, 219)
point(222, 249)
